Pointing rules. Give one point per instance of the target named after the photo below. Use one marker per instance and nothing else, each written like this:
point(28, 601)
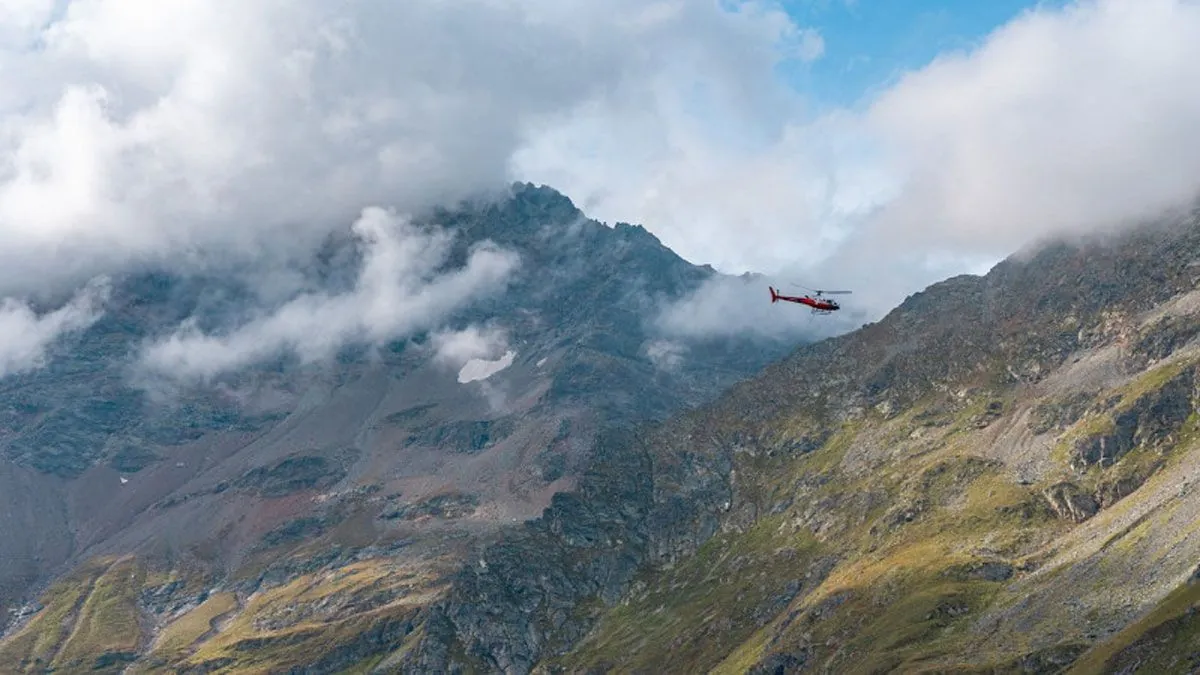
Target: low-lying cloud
point(1064, 121)
point(229, 128)
point(399, 291)
point(25, 336)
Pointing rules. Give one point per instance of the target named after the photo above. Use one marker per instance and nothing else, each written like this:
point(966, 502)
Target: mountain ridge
point(1043, 311)
point(381, 457)
point(899, 496)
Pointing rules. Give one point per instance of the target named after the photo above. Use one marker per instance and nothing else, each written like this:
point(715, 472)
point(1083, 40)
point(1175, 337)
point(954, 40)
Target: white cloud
point(145, 130)
point(20, 20)
point(1070, 120)
point(665, 354)
point(191, 132)
point(25, 336)
point(1063, 121)
point(456, 348)
point(811, 45)
point(399, 291)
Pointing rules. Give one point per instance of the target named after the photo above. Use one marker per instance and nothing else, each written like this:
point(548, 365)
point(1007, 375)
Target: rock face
point(283, 472)
point(520, 601)
point(1153, 419)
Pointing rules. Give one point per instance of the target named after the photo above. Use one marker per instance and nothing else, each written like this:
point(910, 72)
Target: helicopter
point(817, 301)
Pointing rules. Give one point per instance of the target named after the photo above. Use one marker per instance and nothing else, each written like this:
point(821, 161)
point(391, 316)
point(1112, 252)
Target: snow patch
point(482, 369)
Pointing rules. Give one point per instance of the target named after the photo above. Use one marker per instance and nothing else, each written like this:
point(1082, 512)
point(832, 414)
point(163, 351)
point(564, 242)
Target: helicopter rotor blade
point(820, 292)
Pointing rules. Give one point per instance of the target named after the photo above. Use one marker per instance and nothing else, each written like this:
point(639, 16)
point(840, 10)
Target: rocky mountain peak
point(407, 452)
point(901, 495)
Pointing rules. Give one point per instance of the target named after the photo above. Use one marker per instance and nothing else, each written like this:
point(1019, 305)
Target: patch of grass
point(109, 621)
point(1090, 426)
point(364, 667)
point(747, 654)
point(1101, 423)
point(315, 615)
point(34, 647)
point(1150, 381)
point(908, 582)
point(909, 620)
point(980, 412)
point(766, 479)
point(176, 639)
point(902, 595)
point(898, 610)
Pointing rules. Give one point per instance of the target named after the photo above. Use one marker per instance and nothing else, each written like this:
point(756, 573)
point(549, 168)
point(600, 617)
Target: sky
point(874, 145)
point(870, 44)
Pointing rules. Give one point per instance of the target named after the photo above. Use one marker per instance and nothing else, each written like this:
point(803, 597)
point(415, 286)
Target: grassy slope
point(906, 543)
point(90, 622)
point(92, 619)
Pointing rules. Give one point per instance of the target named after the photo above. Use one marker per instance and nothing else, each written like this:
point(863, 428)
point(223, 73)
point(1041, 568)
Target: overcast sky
point(181, 131)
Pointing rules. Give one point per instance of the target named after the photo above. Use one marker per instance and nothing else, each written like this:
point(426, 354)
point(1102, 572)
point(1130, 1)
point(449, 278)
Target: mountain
point(995, 477)
point(306, 515)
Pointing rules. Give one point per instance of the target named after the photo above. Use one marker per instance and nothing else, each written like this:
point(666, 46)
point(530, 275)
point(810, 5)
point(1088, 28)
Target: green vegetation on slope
point(89, 621)
point(900, 544)
point(343, 618)
point(709, 604)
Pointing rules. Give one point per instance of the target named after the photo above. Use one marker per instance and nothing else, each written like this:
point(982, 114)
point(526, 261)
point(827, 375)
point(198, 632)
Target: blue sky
point(868, 43)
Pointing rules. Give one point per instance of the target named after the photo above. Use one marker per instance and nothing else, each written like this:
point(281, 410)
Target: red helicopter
point(819, 304)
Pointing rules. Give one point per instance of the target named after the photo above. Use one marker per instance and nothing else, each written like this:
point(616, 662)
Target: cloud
point(399, 291)
point(137, 130)
point(811, 45)
point(25, 337)
point(188, 134)
point(230, 128)
point(456, 348)
point(665, 354)
point(192, 134)
point(1063, 121)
